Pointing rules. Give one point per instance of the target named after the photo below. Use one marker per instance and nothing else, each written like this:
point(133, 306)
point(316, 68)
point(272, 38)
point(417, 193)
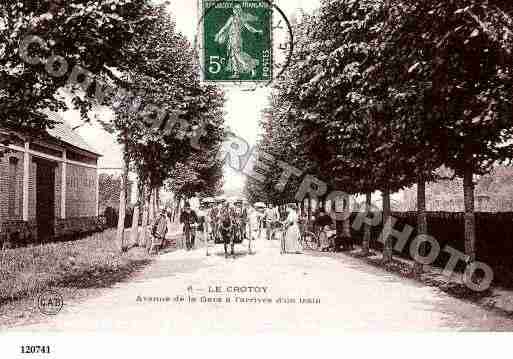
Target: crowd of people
point(231, 223)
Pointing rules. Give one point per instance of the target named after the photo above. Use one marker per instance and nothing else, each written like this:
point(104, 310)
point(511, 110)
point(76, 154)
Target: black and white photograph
point(245, 168)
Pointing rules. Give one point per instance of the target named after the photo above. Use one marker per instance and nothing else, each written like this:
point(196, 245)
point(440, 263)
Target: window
point(13, 185)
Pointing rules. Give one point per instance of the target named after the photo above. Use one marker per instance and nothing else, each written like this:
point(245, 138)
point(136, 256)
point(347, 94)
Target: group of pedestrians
point(230, 223)
point(293, 225)
point(287, 223)
point(160, 228)
point(227, 222)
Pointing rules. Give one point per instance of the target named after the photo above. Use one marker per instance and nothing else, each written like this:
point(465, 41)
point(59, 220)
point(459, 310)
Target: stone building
point(48, 186)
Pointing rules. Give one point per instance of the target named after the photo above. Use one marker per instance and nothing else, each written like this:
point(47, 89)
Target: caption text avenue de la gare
point(231, 294)
point(186, 299)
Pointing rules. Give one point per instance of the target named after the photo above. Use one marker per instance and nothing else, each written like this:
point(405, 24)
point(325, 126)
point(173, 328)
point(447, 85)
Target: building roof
point(63, 132)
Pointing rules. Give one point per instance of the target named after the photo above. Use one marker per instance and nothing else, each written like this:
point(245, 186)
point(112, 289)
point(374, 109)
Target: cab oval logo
point(50, 302)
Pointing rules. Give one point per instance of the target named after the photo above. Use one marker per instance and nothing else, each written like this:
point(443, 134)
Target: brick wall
point(80, 191)
point(6, 192)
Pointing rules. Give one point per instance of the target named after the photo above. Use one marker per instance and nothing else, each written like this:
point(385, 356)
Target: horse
point(231, 229)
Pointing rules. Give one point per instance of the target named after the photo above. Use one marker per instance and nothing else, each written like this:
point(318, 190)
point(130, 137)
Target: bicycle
point(314, 241)
point(281, 229)
point(190, 231)
point(309, 241)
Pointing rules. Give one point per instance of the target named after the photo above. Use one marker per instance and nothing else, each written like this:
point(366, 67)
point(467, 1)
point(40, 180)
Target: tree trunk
point(367, 227)
point(144, 224)
point(347, 218)
point(387, 246)
point(154, 204)
point(147, 242)
point(173, 208)
point(120, 237)
point(421, 221)
point(470, 219)
point(177, 211)
point(336, 214)
point(309, 210)
point(151, 207)
point(134, 232)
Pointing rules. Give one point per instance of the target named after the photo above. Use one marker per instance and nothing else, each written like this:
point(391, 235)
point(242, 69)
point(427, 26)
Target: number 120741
point(35, 349)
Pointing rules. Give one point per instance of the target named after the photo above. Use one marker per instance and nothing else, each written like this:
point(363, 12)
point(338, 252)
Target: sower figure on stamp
point(231, 34)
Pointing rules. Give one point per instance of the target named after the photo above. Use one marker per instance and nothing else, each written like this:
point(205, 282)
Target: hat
point(292, 205)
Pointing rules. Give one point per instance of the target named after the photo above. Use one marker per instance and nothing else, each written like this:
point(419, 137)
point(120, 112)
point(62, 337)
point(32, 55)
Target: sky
point(243, 108)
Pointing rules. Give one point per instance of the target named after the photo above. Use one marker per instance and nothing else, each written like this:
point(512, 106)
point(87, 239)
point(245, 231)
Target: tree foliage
point(89, 34)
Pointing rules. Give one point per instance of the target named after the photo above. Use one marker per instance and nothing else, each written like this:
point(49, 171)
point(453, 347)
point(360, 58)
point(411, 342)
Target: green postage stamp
point(237, 41)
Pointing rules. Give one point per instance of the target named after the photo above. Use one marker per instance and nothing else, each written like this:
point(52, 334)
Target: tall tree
point(459, 86)
point(169, 114)
point(89, 34)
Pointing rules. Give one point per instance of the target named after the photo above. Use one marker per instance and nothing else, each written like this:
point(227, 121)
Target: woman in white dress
point(291, 241)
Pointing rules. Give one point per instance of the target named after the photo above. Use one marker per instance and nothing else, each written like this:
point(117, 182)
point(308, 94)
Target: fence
point(494, 238)
point(20, 233)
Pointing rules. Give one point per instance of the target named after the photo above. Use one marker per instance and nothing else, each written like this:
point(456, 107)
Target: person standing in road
point(322, 228)
point(159, 231)
point(246, 223)
point(189, 218)
point(202, 224)
point(258, 221)
point(227, 223)
point(291, 242)
point(213, 217)
point(269, 216)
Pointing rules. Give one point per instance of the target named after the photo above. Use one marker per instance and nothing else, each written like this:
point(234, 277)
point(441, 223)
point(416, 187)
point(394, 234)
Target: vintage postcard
point(253, 167)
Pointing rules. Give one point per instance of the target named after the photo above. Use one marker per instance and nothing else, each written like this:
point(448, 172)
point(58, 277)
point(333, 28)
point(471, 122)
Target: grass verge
point(73, 269)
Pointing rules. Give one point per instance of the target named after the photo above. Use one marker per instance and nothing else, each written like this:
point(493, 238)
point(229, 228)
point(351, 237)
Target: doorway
point(45, 199)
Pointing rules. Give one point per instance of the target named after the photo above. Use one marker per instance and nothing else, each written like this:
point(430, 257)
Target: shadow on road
point(237, 254)
point(171, 268)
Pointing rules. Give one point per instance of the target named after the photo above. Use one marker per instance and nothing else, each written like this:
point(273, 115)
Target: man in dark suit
point(189, 218)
